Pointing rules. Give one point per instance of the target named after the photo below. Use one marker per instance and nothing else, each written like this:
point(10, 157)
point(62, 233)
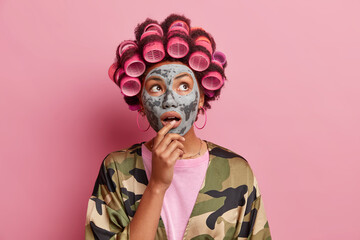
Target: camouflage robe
point(228, 206)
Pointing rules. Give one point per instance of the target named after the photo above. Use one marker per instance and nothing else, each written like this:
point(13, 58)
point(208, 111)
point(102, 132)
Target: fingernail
point(173, 122)
point(183, 138)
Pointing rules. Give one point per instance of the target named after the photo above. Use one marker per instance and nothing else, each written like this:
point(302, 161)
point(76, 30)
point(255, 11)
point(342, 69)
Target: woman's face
point(171, 92)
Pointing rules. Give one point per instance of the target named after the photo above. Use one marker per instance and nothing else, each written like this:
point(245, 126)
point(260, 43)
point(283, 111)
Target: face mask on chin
point(165, 97)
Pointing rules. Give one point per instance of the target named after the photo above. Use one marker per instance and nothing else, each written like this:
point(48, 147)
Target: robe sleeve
point(255, 225)
point(106, 218)
point(259, 226)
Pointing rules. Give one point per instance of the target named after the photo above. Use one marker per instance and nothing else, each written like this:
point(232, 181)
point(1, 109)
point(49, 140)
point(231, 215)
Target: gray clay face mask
point(170, 100)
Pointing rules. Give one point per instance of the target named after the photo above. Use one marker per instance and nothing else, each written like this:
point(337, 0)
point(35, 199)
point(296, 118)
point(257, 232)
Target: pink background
point(290, 107)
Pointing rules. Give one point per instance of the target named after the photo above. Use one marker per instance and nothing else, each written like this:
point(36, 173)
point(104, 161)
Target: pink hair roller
point(118, 73)
point(112, 70)
point(153, 51)
point(219, 57)
point(217, 63)
point(205, 42)
point(212, 81)
point(154, 27)
point(179, 26)
point(130, 86)
point(134, 66)
point(177, 47)
point(125, 45)
point(199, 61)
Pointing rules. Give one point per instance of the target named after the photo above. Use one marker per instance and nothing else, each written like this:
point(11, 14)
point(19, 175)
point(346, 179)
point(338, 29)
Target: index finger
point(162, 132)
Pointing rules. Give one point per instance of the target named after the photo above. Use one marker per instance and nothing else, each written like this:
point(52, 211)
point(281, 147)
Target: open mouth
point(167, 117)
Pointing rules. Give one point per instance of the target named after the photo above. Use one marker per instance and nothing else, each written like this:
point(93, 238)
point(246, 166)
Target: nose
point(169, 100)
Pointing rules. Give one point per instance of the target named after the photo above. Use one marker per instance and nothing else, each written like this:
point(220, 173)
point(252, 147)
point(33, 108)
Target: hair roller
point(116, 73)
point(132, 63)
point(197, 32)
point(175, 18)
point(205, 42)
point(126, 45)
point(212, 81)
point(201, 57)
point(154, 27)
point(213, 78)
point(217, 63)
point(180, 26)
point(151, 39)
point(177, 46)
point(219, 57)
point(112, 70)
point(140, 28)
point(199, 60)
point(130, 86)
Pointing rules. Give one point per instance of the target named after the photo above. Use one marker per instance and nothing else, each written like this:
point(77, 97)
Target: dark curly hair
point(190, 39)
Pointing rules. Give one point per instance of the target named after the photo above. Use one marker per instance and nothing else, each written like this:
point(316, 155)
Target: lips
point(167, 117)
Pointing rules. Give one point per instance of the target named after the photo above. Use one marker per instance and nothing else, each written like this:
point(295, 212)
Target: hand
point(167, 149)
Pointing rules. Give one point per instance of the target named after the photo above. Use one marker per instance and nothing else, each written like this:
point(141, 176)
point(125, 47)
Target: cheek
point(152, 110)
point(190, 105)
point(151, 102)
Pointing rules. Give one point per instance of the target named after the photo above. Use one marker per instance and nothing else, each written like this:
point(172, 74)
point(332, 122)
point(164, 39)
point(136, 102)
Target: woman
point(175, 186)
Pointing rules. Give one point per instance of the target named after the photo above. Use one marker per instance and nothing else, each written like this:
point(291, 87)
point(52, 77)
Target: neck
point(192, 143)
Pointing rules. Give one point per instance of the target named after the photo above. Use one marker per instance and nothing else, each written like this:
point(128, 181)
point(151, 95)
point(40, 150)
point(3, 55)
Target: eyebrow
point(155, 78)
point(160, 79)
point(182, 75)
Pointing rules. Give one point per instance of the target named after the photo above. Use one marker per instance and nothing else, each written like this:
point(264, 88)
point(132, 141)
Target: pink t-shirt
point(180, 197)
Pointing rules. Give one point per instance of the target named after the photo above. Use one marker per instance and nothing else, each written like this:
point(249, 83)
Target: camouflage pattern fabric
point(228, 206)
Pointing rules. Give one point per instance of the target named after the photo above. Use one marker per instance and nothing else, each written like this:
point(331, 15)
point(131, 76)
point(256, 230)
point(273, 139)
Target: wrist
point(155, 188)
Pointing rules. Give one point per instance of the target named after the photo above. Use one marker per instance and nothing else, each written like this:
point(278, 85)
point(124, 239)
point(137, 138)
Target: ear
point(201, 104)
point(140, 101)
point(141, 105)
point(202, 99)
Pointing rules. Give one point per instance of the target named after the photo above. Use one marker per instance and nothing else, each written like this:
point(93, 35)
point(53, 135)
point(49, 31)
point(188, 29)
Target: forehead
point(169, 71)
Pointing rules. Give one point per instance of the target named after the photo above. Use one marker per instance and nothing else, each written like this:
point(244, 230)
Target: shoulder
point(124, 155)
point(237, 165)
point(222, 152)
point(126, 164)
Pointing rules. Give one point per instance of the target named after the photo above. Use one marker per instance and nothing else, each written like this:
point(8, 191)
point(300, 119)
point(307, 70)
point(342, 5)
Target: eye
point(155, 88)
point(184, 87)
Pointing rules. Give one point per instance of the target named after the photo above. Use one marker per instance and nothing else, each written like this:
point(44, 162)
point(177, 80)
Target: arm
point(166, 150)
point(106, 214)
point(146, 218)
point(106, 217)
